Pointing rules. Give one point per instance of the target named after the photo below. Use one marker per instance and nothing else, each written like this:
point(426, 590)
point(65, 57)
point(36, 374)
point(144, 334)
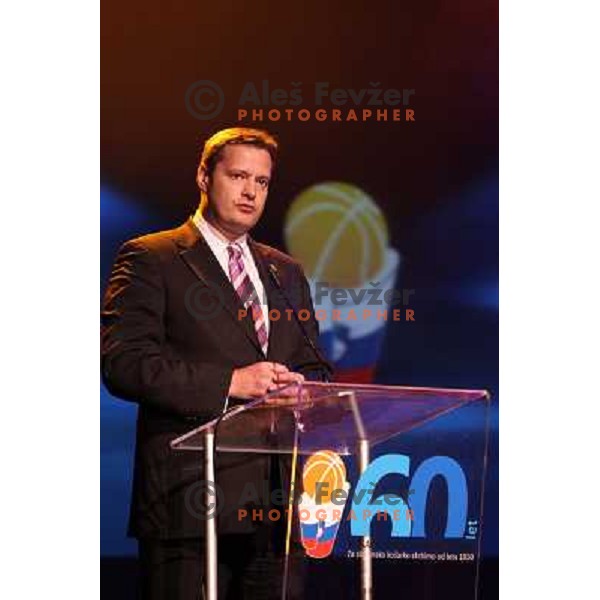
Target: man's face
point(237, 189)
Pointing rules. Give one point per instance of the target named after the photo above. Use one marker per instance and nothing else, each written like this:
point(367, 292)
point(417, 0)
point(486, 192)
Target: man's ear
point(202, 179)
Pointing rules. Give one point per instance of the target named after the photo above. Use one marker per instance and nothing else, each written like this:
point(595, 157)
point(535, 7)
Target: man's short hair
point(213, 147)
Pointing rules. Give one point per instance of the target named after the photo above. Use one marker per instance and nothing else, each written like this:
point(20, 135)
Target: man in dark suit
point(173, 341)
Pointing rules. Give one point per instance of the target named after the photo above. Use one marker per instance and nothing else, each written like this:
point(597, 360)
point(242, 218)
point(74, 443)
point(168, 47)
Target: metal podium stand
point(345, 418)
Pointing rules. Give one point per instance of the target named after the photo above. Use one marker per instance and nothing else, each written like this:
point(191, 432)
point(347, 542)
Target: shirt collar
point(214, 237)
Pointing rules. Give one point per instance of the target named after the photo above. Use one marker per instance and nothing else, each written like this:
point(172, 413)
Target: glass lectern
point(380, 475)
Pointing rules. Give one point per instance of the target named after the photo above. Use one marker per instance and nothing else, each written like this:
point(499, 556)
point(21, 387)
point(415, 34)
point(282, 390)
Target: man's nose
point(249, 189)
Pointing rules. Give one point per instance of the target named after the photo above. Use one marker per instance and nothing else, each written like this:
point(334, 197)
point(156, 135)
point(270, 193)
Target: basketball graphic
point(340, 236)
point(338, 233)
point(327, 468)
point(320, 518)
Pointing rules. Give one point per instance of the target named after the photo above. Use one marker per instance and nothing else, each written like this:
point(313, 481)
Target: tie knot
point(235, 251)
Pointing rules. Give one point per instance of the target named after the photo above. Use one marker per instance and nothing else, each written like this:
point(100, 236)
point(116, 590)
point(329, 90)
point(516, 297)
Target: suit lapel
point(198, 256)
point(273, 297)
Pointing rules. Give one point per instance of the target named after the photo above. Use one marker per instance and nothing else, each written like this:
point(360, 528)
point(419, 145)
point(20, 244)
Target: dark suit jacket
point(171, 338)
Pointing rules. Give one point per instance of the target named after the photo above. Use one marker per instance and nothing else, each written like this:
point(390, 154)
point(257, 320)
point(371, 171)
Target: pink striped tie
point(247, 293)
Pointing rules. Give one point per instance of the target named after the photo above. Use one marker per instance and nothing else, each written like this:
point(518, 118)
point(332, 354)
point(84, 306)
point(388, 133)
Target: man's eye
point(263, 183)
point(236, 176)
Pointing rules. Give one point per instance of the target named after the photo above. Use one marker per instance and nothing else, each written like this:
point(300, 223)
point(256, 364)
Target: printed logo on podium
point(324, 475)
point(326, 491)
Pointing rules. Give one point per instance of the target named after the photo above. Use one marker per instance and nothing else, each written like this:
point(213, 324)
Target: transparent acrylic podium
point(420, 502)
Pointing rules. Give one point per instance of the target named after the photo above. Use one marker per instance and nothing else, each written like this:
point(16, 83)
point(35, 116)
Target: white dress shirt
point(218, 244)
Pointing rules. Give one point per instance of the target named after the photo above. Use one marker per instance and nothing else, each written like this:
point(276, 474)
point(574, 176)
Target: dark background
point(436, 179)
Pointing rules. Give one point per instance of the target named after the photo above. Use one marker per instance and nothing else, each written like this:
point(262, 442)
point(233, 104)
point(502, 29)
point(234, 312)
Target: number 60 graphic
point(364, 504)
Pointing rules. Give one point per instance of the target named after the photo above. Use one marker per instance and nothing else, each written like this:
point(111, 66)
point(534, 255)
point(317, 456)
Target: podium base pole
point(366, 560)
point(210, 524)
